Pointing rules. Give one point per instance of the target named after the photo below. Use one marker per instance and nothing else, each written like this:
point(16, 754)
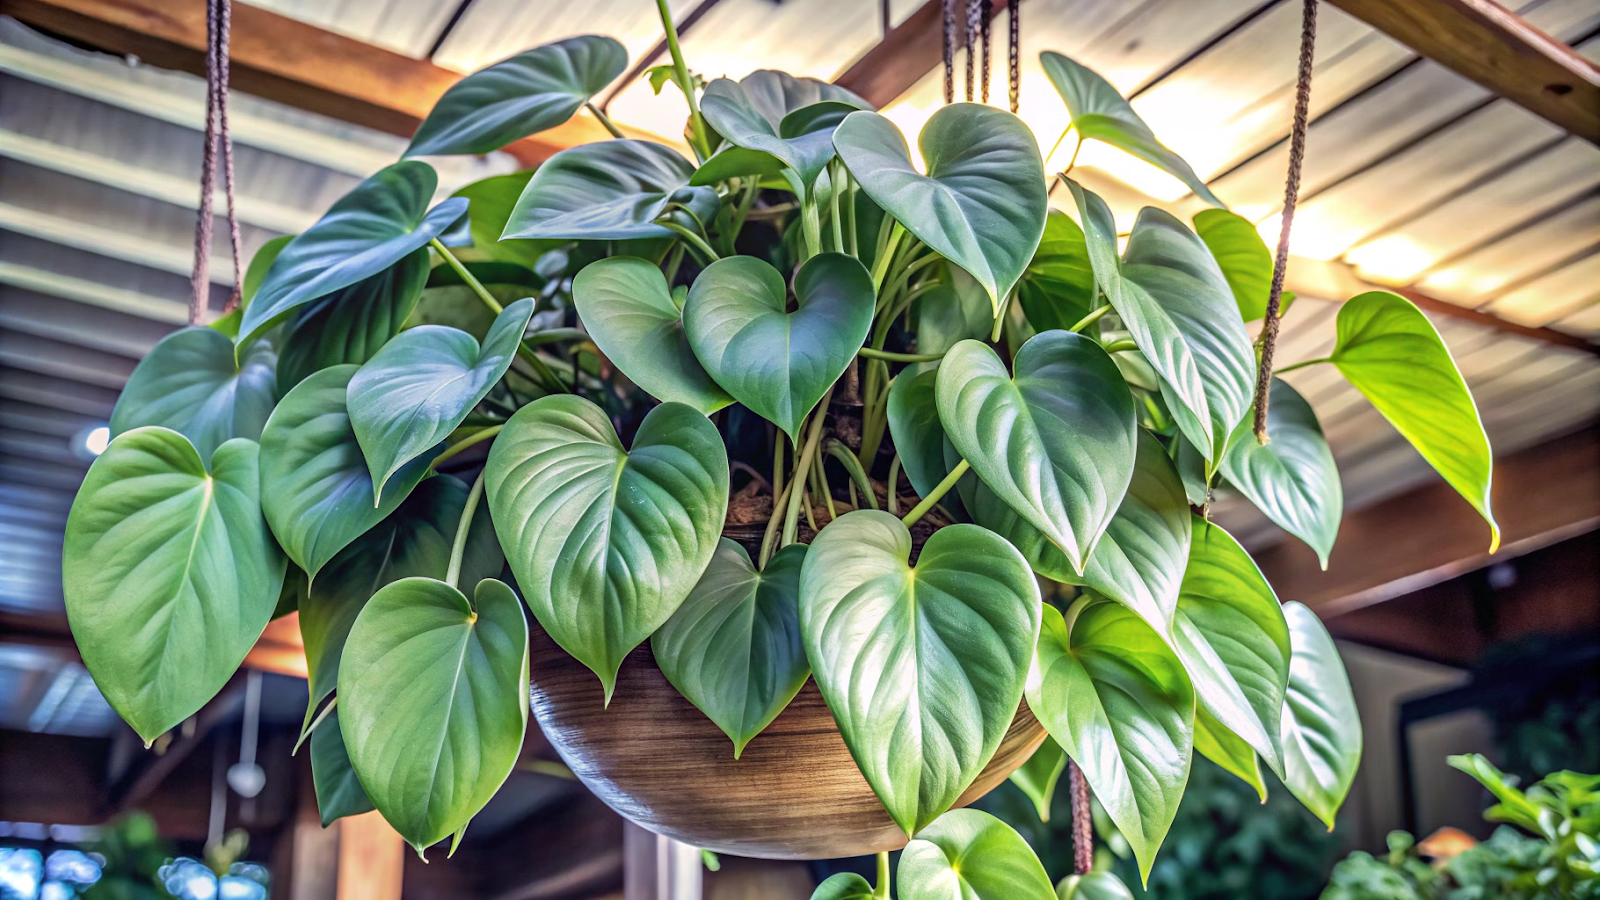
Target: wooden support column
point(371, 859)
point(658, 868)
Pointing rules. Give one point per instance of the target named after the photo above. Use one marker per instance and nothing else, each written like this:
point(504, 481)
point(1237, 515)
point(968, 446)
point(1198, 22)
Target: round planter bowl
point(795, 793)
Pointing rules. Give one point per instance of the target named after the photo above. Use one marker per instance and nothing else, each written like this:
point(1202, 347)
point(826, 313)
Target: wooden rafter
point(907, 52)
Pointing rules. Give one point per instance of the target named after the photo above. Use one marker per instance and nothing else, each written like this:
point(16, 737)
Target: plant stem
point(938, 492)
point(1082, 821)
point(697, 125)
point(1093, 317)
point(466, 276)
point(880, 891)
point(778, 441)
point(880, 266)
point(892, 497)
point(802, 466)
point(694, 240)
point(464, 443)
point(1301, 365)
point(887, 356)
point(768, 538)
point(459, 548)
point(1121, 346)
point(858, 475)
point(604, 120)
point(850, 212)
point(1074, 160)
point(833, 207)
point(554, 336)
point(1000, 318)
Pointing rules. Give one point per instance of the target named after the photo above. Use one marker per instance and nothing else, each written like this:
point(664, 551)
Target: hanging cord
point(985, 12)
point(1082, 821)
point(974, 13)
point(219, 15)
point(949, 51)
point(1291, 192)
point(1014, 84)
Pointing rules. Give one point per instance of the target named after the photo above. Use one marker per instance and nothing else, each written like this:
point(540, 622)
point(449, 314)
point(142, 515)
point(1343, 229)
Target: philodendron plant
point(567, 373)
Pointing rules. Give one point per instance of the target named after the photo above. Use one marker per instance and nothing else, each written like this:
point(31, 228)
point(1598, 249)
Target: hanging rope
point(1291, 192)
point(974, 13)
point(1014, 90)
point(218, 24)
point(985, 13)
point(1082, 820)
point(949, 51)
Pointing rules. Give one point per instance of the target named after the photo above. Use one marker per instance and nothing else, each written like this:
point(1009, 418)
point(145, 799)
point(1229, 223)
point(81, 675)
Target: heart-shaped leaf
point(190, 383)
point(1112, 693)
point(1321, 725)
point(1292, 479)
point(923, 668)
point(528, 93)
point(971, 855)
point(1057, 289)
point(1093, 886)
point(628, 309)
point(491, 201)
point(315, 486)
point(606, 543)
point(433, 702)
point(1100, 113)
point(380, 222)
point(1039, 775)
point(1215, 742)
point(339, 792)
point(757, 113)
point(779, 363)
point(1172, 298)
point(350, 324)
point(1056, 442)
point(418, 388)
point(1244, 259)
point(1231, 635)
point(733, 648)
point(1394, 356)
point(844, 886)
point(982, 203)
point(169, 573)
point(926, 454)
point(414, 540)
point(954, 311)
point(610, 191)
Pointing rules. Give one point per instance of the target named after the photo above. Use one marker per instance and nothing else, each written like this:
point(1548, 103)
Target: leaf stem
point(880, 266)
point(833, 207)
point(694, 240)
point(1000, 318)
point(880, 891)
point(893, 498)
point(697, 125)
point(858, 475)
point(887, 356)
point(604, 120)
point(802, 467)
point(466, 276)
point(1301, 365)
point(769, 537)
point(935, 495)
point(1121, 346)
point(779, 440)
point(326, 711)
point(1074, 160)
point(468, 441)
point(459, 548)
point(1093, 317)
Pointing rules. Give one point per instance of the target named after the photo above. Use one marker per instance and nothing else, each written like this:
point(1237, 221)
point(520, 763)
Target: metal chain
point(949, 51)
point(1015, 74)
point(985, 13)
point(1291, 192)
point(218, 25)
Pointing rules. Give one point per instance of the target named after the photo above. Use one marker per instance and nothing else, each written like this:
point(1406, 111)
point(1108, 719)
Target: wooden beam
point(280, 59)
point(1541, 496)
point(907, 52)
point(1498, 49)
point(372, 859)
point(1488, 320)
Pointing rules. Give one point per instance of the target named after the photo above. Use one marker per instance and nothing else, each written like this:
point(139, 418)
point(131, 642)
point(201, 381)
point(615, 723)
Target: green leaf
point(1244, 259)
point(923, 668)
point(971, 855)
point(256, 272)
point(1038, 776)
point(190, 383)
point(1093, 886)
point(1231, 635)
point(315, 486)
point(790, 119)
point(606, 543)
point(169, 573)
point(612, 190)
point(1111, 692)
point(1215, 742)
point(628, 309)
point(733, 648)
point(490, 203)
point(1292, 479)
point(982, 203)
point(1514, 805)
point(1056, 442)
point(1100, 113)
point(339, 792)
point(380, 222)
point(952, 312)
point(433, 702)
point(350, 324)
point(534, 91)
point(421, 385)
point(779, 363)
point(926, 454)
point(414, 540)
point(1057, 289)
point(1321, 727)
point(1394, 356)
point(1172, 298)
point(843, 886)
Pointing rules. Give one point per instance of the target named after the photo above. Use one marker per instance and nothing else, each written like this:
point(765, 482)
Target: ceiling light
point(91, 442)
point(1393, 259)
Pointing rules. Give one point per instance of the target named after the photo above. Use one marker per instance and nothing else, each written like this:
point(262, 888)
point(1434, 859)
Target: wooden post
point(658, 868)
point(371, 859)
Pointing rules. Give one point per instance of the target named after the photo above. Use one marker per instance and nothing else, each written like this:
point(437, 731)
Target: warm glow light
point(1130, 170)
point(96, 440)
point(1394, 259)
point(910, 119)
point(1313, 236)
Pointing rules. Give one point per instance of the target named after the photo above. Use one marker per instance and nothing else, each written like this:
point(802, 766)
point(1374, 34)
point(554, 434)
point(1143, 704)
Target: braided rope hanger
point(979, 15)
point(218, 24)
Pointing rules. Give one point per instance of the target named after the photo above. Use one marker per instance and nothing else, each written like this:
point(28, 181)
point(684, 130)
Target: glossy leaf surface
point(971, 855)
point(168, 572)
point(1055, 443)
point(1292, 479)
point(350, 324)
point(339, 791)
point(189, 382)
point(779, 363)
point(629, 312)
point(606, 543)
point(1057, 289)
point(612, 190)
point(982, 203)
point(922, 667)
point(433, 702)
point(843, 886)
point(491, 201)
point(1111, 692)
point(1244, 259)
point(757, 113)
point(1215, 742)
point(1394, 356)
point(733, 647)
point(1039, 775)
point(926, 454)
point(1321, 725)
point(952, 312)
point(421, 385)
point(1093, 886)
point(528, 93)
point(315, 486)
point(380, 222)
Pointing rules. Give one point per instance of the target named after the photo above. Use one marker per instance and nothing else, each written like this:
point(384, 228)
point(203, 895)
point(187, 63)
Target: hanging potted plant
point(778, 444)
